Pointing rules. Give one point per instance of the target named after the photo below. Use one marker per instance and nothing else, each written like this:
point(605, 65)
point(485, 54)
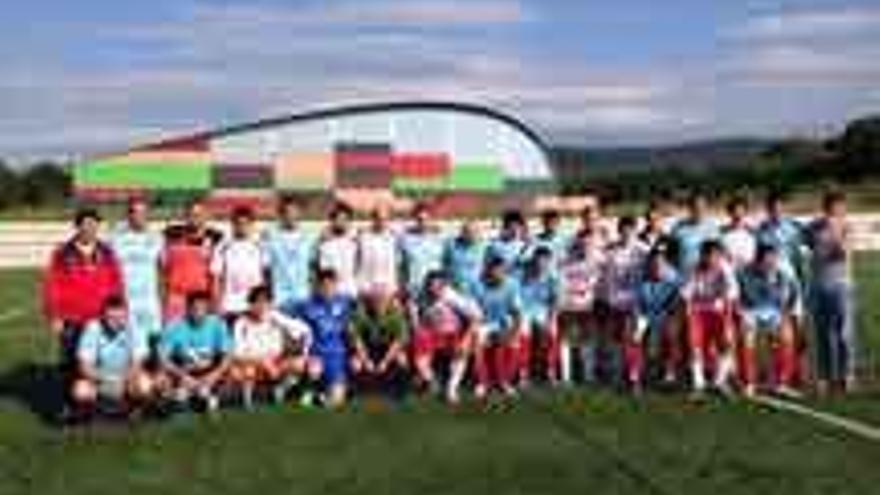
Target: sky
point(87, 76)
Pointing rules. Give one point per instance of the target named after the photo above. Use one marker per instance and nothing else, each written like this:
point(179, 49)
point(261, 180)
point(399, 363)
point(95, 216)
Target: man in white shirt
point(737, 236)
point(337, 250)
point(237, 265)
point(377, 260)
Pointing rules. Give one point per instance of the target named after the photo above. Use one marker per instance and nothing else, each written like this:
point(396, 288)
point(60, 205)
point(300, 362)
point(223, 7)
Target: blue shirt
point(776, 290)
point(538, 295)
point(328, 319)
point(463, 262)
point(787, 236)
point(420, 253)
point(553, 241)
point(111, 353)
point(688, 238)
point(655, 299)
point(139, 255)
point(512, 251)
point(499, 303)
point(195, 344)
point(289, 254)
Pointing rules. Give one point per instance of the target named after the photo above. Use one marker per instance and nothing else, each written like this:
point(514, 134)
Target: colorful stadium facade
point(406, 148)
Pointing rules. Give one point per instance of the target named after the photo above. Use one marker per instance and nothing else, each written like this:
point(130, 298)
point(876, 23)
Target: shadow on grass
point(36, 386)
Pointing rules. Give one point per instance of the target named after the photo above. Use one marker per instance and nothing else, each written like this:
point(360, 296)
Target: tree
point(10, 185)
point(858, 148)
point(45, 184)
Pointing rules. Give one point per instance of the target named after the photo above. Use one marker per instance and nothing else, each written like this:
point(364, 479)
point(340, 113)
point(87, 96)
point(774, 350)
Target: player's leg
point(588, 332)
point(696, 332)
point(635, 341)
point(83, 396)
point(243, 376)
point(423, 349)
point(458, 366)
point(723, 339)
point(749, 338)
point(335, 379)
point(314, 370)
point(784, 355)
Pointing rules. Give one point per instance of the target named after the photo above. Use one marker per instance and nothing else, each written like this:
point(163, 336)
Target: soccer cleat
point(307, 399)
point(749, 391)
point(480, 392)
point(279, 393)
point(212, 403)
point(788, 392)
point(724, 388)
point(452, 397)
point(509, 391)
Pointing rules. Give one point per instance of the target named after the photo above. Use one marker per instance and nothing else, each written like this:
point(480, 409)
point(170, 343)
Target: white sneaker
point(452, 397)
point(212, 403)
point(750, 391)
point(480, 392)
point(510, 391)
point(279, 394)
point(788, 392)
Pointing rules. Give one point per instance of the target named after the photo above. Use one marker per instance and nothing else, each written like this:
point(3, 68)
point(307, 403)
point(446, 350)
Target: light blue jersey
point(111, 354)
point(788, 237)
point(289, 254)
point(500, 304)
point(139, 254)
point(555, 242)
point(688, 238)
point(656, 299)
point(511, 251)
point(539, 297)
point(463, 262)
point(195, 344)
point(420, 254)
point(767, 296)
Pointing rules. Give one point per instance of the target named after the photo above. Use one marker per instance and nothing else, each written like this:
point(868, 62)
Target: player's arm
point(218, 268)
point(396, 347)
point(357, 344)
point(51, 292)
point(87, 354)
point(223, 347)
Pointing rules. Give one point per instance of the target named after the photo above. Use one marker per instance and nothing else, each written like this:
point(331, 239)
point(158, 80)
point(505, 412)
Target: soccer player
point(655, 233)
point(463, 257)
point(187, 258)
point(379, 344)
point(769, 303)
point(288, 251)
point(237, 265)
point(511, 243)
point(421, 252)
point(195, 352)
point(784, 233)
point(328, 313)
point(139, 251)
point(578, 321)
point(446, 323)
point(550, 236)
point(337, 250)
point(110, 361)
point(737, 235)
point(833, 295)
point(689, 234)
point(500, 330)
point(624, 263)
point(539, 292)
point(657, 311)
point(82, 273)
point(268, 348)
point(709, 293)
point(591, 231)
point(377, 263)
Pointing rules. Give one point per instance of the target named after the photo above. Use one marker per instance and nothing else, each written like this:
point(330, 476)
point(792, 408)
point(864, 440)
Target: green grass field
point(575, 441)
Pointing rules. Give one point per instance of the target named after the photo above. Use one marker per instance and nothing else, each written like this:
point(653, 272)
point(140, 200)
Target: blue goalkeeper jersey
point(289, 254)
point(328, 319)
point(139, 254)
point(463, 263)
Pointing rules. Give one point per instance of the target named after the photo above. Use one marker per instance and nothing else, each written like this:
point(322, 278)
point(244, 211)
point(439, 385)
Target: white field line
point(852, 426)
point(12, 314)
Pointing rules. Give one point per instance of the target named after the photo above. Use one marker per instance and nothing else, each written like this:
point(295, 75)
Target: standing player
point(737, 235)
point(539, 292)
point(328, 314)
point(833, 296)
point(421, 252)
point(657, 311)
point(624, 264)
point(784, 233)
point(268, 348)
point(463, 258)
point(500, 331)
point(337, 250)
point(110, 361)
point(592, 231)
point(377, 262)
point(511, 243)
point(446, 323)
point(769, 304)
point(139, 251)
point(689, 234)
point(237, 265)
point(578, 322)
point(288, 251)
point(82, 273)
point(709, 294)
point(655, 233)
point(195, 352)
point(187, 259)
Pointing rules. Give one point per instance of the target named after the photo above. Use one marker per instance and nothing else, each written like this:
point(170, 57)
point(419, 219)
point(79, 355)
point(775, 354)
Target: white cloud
point(810, 23)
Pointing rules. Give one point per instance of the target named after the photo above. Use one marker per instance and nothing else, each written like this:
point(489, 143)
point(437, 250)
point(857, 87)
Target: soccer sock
point(784, 363)
point(247, 395)
point(726, 367)
point(750, 365)
point(551, 356)
point(588, 361)
point(565, 361)
point(698, 379)
point(456, 373)
point(481, 365)
point(523, 356)
point(634, 361)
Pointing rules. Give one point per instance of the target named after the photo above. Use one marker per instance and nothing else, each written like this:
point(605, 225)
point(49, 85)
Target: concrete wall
point(27, 244)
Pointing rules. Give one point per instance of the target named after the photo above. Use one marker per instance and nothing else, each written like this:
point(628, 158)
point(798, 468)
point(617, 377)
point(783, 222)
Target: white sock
point(697, 377)
point(456, 374)
point(726, 367)
point(248, 395)
point(565, 361)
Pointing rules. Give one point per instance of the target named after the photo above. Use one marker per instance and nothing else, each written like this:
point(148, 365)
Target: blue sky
point(85, 76)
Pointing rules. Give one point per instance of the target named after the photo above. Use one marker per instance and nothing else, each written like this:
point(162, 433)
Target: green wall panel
point(476, 177)
point(166, 175)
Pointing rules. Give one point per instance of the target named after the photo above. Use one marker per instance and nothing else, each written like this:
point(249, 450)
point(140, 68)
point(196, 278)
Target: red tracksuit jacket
point(75, 287)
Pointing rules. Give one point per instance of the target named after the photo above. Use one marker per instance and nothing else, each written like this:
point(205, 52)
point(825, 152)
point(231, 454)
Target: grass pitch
point(574, 441)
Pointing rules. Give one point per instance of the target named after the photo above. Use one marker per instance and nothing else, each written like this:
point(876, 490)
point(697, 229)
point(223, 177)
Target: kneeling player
point(499, 334)
point(195, 352)
point(709, 295)
point(378, 331)
point(268, 348)
point(539, 293)
point(110, 357)
point(657, 309)
point(327, 312)
point(445, 324)
point(769, 302)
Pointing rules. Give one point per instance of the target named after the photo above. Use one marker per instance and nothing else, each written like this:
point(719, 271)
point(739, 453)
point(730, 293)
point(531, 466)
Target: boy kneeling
point(110, 358)
point(268, 348)
point(379, 358)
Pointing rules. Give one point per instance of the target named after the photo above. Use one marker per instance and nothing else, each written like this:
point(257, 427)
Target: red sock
point(634, 359)
point(784, 363)
point(750, 366)
point(524, 356)
point(481, 365)
point(551, 355)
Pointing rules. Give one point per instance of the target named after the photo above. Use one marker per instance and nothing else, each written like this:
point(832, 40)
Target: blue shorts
point(762, 320)
point(334, 363)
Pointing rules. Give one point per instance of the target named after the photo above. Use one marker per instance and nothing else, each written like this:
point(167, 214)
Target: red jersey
point(75, 286)
point(187, 259)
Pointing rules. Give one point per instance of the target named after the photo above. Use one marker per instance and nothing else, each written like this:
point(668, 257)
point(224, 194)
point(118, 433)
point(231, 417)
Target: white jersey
point(339, 253)
point(266, 338)
point(377, 262)
point(739, 245)
point(239, 264)
point(623, 267)
point(579, 276)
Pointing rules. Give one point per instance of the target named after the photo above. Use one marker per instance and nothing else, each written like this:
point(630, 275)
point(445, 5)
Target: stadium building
point(462, 154)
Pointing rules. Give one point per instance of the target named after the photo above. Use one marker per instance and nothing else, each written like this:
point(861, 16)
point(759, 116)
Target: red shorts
point(707, 325)
point(427, 342)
